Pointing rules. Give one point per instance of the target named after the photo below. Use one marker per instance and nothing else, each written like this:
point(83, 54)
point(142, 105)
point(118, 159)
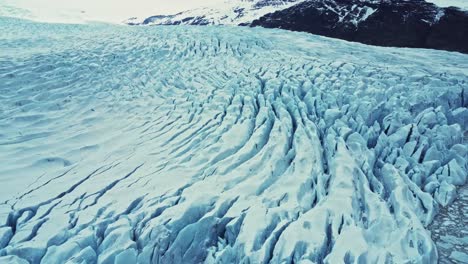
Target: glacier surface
point(184, 144)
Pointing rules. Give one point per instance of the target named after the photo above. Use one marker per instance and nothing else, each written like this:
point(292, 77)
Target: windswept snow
point(223, 145)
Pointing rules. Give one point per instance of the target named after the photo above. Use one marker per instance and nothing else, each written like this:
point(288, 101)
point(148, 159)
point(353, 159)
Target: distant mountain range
point(227, 13)
point(399, 23)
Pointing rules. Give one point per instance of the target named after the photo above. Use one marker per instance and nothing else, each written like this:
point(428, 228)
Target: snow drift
point(223, 145)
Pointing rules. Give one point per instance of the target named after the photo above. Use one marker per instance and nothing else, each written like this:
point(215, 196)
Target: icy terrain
point(450, 230)
point(462, 4)
point(223, 145)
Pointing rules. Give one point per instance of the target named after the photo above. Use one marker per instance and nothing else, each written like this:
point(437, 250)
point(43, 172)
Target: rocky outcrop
point(413, 23)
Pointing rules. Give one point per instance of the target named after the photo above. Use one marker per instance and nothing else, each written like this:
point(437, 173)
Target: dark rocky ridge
point(413, 23)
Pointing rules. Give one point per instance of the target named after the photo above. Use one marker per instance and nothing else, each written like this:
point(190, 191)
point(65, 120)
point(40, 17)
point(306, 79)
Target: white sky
point(100, 10)
point(116, 11)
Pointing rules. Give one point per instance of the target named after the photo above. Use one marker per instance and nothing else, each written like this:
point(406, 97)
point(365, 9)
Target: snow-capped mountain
point(208, 145)
point(399, 23)
point(228, 12)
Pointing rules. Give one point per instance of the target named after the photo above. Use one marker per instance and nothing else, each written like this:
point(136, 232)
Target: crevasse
point(223, 145)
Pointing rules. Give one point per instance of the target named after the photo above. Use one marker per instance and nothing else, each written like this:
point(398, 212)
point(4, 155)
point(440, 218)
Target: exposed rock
point(413, 23)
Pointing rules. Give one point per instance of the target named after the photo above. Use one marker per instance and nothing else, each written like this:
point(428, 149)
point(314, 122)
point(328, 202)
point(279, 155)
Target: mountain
point(397, 23)
point(410, 23)
point(183, 144)
point(222, 13)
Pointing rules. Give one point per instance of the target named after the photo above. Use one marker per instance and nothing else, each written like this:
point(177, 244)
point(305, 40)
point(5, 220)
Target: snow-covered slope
point(397, 23)
point(463, 4)
point(225, 12)
point(223, 145)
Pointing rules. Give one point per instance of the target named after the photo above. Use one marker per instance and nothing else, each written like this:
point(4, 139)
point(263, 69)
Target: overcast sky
point(116, 11)
point(102, 10)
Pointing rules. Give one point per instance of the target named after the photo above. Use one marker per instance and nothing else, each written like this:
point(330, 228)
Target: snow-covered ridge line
point(223, 145)
point(224, 13)
point(395, 23)
point(462, 4)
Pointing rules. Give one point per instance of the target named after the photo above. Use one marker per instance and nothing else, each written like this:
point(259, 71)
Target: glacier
point(182, 144)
